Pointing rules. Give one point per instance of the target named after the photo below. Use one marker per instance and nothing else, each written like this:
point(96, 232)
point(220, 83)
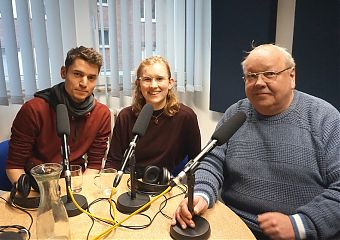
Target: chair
point(179, 167)
point(5, 184)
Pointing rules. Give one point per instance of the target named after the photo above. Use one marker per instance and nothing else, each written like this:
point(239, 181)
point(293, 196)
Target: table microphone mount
point(70, 207)
point(201, 231)
point(131, 201)
point(219, 137)
point(63, 131)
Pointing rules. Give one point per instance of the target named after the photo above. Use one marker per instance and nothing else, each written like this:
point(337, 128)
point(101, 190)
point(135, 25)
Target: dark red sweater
point(34, 138)
point(164, 144)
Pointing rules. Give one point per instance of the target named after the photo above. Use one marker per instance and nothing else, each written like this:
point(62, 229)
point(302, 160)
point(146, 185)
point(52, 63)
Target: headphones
point(154, 180)
point(20, 191)
point(14, 232)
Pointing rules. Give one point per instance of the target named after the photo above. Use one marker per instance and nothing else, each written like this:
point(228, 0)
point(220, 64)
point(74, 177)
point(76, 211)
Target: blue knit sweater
point(289, 163)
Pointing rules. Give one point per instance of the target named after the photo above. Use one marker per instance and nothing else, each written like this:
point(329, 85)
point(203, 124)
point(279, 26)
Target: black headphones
point(154, 180)
point(14, 232)
point(20, 191)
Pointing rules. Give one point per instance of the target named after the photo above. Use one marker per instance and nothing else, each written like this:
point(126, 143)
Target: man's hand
point(14, 174)
point(182, 214)
point(276, 225)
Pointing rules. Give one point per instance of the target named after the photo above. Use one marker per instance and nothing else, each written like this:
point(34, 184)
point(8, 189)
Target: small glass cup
point(76, 178)
point(104, 181)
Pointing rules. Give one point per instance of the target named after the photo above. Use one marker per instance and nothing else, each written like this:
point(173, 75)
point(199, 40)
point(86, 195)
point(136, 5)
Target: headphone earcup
point(24, 185)
point(166, 177)
point(149, 188)
point(23, 188)
point(154, 180)
point(33, 183)
point(152, 175)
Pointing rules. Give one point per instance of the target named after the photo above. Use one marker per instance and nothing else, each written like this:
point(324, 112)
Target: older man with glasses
point(280, 172)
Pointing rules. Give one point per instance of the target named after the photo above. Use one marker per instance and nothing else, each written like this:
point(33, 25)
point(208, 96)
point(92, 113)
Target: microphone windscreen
point(63, 122)
point(228, 128)
point(143, 120)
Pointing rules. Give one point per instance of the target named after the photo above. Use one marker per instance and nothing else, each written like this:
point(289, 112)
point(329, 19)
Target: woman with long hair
point(173, 133)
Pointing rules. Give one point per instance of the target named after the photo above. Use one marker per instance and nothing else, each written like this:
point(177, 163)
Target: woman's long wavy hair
point(171, 106)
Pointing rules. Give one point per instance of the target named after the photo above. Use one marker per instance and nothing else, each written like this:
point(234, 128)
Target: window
point(103, 1)
point(106, 37)
point(142, 12)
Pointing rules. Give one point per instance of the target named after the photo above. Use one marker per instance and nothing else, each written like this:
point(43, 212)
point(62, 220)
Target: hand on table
point(183, 215)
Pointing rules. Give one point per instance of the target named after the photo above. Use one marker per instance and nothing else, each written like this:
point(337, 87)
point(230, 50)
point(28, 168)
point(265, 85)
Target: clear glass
point(52, 219)
point(77, 178)
point(104, 181)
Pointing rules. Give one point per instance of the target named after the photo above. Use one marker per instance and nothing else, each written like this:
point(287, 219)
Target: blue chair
point(180, 166)
point(5, 184)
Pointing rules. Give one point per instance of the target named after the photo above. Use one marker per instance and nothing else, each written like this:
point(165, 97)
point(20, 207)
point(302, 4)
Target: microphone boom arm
point(65, 151)
point(193, 163)
point(127, 156)
point(138, 130)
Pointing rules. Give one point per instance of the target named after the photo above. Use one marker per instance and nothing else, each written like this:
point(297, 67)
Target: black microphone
point(138, 131)
point(63, 131)
point(219, 137)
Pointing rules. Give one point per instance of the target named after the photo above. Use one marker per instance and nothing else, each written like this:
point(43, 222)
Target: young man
point(34, 139)
point(280, 172)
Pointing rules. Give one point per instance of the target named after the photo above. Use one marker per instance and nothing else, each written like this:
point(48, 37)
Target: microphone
point(63, 131)
point(138, 131)
point(129, 202)
point(219, 137)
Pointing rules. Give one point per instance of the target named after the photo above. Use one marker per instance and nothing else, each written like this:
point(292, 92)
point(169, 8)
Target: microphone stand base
point(127, 205)
point(200, 232)
point(71, 208)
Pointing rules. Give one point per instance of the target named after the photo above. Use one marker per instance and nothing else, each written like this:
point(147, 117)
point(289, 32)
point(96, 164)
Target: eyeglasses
point(268, 76)
point(147, 80)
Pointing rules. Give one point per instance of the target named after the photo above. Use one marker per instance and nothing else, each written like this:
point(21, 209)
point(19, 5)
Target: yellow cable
point(113, 191)
point(132, 214)
point(90, 214)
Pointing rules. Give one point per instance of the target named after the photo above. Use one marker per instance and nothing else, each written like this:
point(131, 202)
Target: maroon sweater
point(34, 137)
point(164, 144)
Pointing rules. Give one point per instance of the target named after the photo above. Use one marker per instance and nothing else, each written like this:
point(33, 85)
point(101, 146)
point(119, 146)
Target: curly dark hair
point(88, 54)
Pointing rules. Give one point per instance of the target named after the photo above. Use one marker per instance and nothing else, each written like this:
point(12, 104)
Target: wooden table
point(224, 223)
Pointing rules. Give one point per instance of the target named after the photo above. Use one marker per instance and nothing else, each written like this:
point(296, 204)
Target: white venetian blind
point(35, 35)
point(141, 28)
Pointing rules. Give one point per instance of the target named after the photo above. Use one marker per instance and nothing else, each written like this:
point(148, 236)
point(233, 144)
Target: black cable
point(134, 227)
point(184, 190)
point(92, 224)
point(93, 218)
point(161, 207)
point(152, 194)
point(25, 211)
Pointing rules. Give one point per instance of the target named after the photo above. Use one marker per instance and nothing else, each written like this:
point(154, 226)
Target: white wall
point(7, 115)
point(198, 101)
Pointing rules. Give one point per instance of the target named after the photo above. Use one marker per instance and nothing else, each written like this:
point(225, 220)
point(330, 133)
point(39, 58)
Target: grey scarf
point(58, 95)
